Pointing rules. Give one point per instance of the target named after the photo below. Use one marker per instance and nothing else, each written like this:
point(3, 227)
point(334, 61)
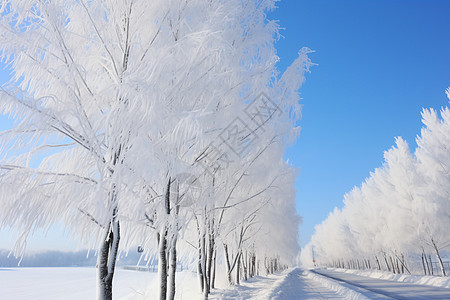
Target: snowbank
point(417, 279)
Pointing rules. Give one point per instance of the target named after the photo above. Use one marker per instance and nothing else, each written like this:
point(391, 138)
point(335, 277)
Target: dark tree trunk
point(244, 266)
point(107, 261)
point(172, 269)
point(206, 286)
point(238, 268)
point(423, 265)
point(228, 266)
point(392, 264)
point(213, 275)
point(173, 258)
point(162, 265)
point(387, 263)
point(431, 264)
point(209, 262)
point(441, 264)
point(424, 257)
point(162, 239)
point(200, 271)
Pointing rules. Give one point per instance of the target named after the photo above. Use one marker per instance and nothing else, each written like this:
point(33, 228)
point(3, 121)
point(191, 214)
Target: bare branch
point(92, 218)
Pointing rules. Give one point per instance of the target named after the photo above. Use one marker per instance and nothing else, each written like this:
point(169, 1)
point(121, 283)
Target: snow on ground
point(65, 283)
point(345, 290)
point(290, 284)
point(187, 288)
point(416, 279)
point(79, 283)
point(374, 288)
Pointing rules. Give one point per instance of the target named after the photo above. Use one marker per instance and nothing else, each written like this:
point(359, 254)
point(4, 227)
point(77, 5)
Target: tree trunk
point(258, 267)
point(438, 257)
point(254, 265)
point(162, 239)
point(213, 275)
point(173, 248)
point(424, 257)
point(387, 263)
point(199, 269)
point(162, 265)
point(244, 265)
point(106, 261)
point(227, 260)
point(392, 264)
point(209, 262)
point(173, 265)
point(172, 272)
point(431, 265)
point(238, 269)
point(369, 265)
point(423, 265)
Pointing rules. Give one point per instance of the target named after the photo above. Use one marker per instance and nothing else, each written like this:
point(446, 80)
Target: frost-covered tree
point(401, 211)
point(432, 207)
point(116, 101)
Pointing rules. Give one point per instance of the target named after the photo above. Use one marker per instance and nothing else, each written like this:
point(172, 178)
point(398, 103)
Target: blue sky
point(379, 62)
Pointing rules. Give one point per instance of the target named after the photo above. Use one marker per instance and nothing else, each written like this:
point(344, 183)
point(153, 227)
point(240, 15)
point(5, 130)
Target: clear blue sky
point(379, 62)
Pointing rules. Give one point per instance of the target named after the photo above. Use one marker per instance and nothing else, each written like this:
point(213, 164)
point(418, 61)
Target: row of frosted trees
point(398, 219)
point(154, 123)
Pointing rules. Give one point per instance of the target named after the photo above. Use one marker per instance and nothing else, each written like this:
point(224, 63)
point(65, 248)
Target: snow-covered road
point(298, 285)
point(386, 289)
point(289, 285)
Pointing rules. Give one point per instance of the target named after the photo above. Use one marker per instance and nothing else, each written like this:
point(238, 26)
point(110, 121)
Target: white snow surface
point(416, 279)
point(289, 284)
point(80, 283)
point(66, 283)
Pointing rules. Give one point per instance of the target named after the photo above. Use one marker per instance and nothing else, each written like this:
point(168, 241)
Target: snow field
point(79, 283)
point(66, 283)
point(187, 288)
